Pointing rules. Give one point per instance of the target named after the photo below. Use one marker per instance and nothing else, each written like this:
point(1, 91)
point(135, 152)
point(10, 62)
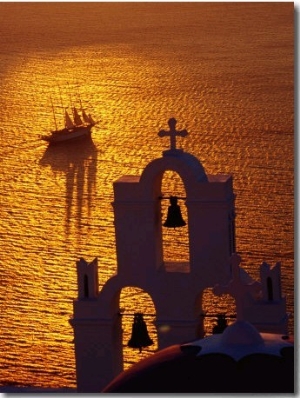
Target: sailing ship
point(77, 127)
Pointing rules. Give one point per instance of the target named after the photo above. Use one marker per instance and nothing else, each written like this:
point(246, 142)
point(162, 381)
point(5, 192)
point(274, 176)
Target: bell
point(174, 217)
point(221, 324)
point(139, 334)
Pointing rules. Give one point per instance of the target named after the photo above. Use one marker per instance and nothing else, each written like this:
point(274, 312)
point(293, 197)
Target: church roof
point(240, 340)
point(240, 360)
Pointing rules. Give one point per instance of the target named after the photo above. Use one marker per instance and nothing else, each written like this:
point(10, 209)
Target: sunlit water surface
point(225, 71)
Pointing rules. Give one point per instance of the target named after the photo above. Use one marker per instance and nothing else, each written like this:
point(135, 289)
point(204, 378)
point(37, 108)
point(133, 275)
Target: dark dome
point(183, 369)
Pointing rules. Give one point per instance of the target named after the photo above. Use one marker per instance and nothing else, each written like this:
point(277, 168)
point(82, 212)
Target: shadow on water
point(78, 162)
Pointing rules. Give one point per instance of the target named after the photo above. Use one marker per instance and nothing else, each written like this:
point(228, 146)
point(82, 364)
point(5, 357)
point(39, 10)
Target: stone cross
point(172, 133)
point(236, 288)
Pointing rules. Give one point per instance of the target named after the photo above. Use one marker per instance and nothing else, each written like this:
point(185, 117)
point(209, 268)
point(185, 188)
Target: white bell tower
point(176, 295)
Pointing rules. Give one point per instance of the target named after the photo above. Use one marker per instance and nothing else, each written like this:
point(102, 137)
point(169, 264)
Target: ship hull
point(67, 135)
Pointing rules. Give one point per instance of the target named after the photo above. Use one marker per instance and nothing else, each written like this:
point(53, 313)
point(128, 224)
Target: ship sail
point(77, 118)
point(91, 120)
point(85, 117)
point(68, 121)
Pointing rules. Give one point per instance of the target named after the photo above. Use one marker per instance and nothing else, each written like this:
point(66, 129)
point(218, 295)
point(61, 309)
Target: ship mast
point(53, 112)
point(62, 105)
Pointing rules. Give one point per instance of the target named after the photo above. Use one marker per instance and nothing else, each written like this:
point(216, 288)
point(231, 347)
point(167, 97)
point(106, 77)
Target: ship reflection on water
point(78, 162)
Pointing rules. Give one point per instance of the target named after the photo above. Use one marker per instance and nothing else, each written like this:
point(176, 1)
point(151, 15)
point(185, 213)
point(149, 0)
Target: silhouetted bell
point(174, 217)
point(139, 334)
point(221, 324)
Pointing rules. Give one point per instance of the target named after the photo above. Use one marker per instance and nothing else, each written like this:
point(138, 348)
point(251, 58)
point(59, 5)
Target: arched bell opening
point(217, 311)
point(175, 236)
point(136, 301)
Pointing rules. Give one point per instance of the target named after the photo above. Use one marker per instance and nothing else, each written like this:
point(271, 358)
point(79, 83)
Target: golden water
point(224, 70)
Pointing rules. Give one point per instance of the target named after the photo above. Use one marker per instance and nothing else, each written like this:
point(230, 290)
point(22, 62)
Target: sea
point(225, 71)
